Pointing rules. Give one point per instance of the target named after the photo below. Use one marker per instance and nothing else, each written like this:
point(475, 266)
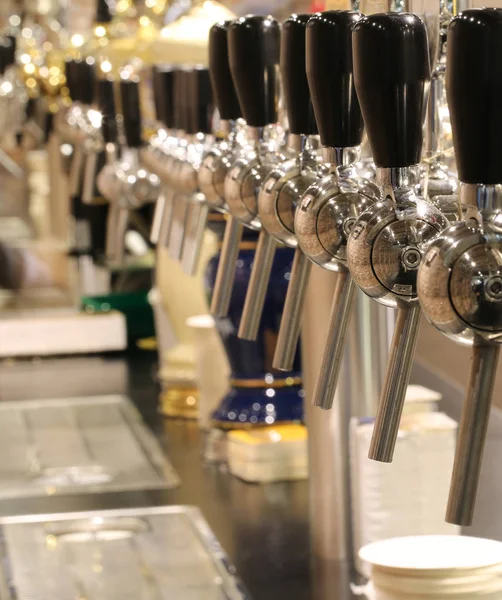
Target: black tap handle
point(103, 13)
point(157, 94)
point(70, 77)
point(105, 96)
point(180, 99)
point(10, 50)
point(87, 75)
point(330, 75)
point(254, 50)
point(200, 101)
point(294, 77)
point(163, 94)
point(177, 124)
point(81, 79)
point(131, 112)
point(473, 87)
point(7, 52)
point(391, 70)
point(73, 79)
point(225, 96)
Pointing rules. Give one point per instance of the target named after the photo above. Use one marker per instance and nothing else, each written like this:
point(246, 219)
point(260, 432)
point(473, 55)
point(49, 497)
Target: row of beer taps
point(286, 156)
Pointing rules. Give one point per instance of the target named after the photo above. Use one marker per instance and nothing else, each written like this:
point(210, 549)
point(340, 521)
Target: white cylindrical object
point(435, 566)
point(407, 497)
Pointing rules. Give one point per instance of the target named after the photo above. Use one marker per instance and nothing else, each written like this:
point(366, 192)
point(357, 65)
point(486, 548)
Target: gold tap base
point(180, 402)
point(215, 424)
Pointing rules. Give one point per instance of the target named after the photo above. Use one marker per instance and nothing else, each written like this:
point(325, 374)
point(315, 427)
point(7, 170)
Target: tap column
point(279, 195)
point(387, 242)
point(330, 207)
point(253, 50)
point(460, 278)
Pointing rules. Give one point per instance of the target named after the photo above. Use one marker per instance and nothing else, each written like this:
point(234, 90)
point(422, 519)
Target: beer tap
point(107, 181)
point(330, 207)
point(81, 123)
point(253, 48)
point(178, 223)
point(201, 109)
point(460, 278)
point(387, 242)
point(136, 185)
point(283, 187)
point(217, 161)
point(94, 146)
point(158, 154)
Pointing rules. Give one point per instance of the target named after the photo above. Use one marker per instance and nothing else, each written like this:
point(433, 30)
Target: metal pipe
point(339, 319)
point(472, 434)
point(404, 341)
point(197, 220)
point(158, 217)
point(225, 274)
point(76, 171)
point(257, 287)
point(167, 219)
point(118, 221)
point(178, 227)
point(291, 320)
point(91, 164)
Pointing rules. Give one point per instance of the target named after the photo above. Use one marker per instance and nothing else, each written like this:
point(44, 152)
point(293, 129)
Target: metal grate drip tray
point(78, 445)
point(164, 553)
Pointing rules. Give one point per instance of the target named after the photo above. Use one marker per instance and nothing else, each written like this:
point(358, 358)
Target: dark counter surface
point(263, 528)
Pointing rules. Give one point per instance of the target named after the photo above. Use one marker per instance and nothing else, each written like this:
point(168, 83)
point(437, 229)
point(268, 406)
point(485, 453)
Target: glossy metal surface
point(472, 434)
point(263, 529)
point(167, 219)
point(241, 188)
point(257, 288)
point(178, 226)
point(343, 299)
point(397, 377)
point(459, 281)
point(386, 244)
point(384, 252)
point(222, 291)
point(277, 200)
point(165, 552)
point(77, 165)
point(242, 185)
point(327, 212)
point(289, 334)
point(78, 445)
point(158, 215)
point(196, 224)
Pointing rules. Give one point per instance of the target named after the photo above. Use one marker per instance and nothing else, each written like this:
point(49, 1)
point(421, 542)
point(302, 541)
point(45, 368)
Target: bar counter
point(262, 528)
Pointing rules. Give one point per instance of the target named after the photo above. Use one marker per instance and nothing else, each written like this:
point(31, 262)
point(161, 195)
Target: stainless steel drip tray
point(78, 445)
point(162, 553)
